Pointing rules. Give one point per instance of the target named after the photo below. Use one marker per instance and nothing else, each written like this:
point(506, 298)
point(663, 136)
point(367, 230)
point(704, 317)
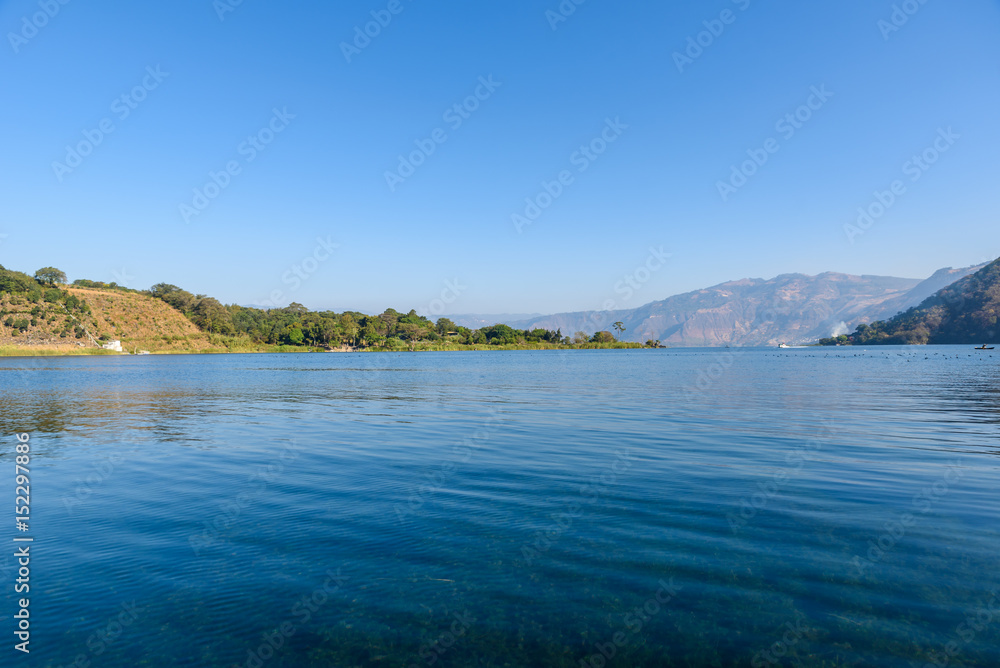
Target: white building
point(113, 345)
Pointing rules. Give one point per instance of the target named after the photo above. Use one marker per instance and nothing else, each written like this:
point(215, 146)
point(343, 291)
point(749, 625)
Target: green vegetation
point(84, 283)
point(50, 351)
point(964, 312)
point(27, 303)
point(295, 325)
point(42, 312)
point(50, 276)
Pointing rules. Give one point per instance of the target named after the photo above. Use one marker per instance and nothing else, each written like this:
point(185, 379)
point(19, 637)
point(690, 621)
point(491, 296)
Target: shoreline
point(25, 351)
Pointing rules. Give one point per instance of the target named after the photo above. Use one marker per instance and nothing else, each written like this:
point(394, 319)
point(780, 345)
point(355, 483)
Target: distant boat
point(784, 345)
point(983, 347)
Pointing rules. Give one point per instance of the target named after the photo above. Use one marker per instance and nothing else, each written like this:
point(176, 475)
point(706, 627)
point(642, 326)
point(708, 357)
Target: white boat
point(784, 345)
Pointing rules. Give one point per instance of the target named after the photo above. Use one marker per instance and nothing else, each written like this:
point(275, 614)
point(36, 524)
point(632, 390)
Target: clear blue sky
point(116, 216)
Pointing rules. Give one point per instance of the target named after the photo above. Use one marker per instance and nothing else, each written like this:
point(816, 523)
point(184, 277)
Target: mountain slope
point(792, 308)
point(477, 320)
point(966, 311)
point(137, 320)
point(941, 278)
point(749, 312)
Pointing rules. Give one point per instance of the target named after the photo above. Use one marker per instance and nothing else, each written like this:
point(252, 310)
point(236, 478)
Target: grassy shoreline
point(66, 351)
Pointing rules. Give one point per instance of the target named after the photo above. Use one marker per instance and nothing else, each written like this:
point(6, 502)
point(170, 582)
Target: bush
point(16, 282)
point(295, 336)
point(500, 335)
point(50, 276)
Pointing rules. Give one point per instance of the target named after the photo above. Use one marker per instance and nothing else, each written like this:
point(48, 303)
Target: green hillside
point(964, 312)
point(42, 314)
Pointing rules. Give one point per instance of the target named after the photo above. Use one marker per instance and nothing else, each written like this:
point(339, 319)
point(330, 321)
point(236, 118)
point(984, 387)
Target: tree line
point(296, 325)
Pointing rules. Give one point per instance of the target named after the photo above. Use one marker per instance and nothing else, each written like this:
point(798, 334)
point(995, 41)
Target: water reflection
point(482, 486)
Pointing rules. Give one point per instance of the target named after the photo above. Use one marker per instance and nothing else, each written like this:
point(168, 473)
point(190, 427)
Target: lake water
point(812, 507)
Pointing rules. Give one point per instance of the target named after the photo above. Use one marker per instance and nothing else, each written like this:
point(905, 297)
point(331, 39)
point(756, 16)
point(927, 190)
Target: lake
point(683, 507)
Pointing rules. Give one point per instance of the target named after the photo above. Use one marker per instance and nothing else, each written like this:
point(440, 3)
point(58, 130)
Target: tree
point(500, 334)
point(537, 335)
point(295, 335)
point(50, 276)
point(619, 327)
point(295, 308)
point(580, 337)
point(16, 281)
point(212, 316)
point(349, 326)
point(160, 290)
point(603, 337)
point(445, 325)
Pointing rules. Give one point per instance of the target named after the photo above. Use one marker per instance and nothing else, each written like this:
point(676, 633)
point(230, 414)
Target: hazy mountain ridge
point(966, 311)
point(939, 280)
point(792, 308)
point(477, 320)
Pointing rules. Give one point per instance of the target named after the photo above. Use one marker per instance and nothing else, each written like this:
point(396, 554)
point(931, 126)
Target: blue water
point(807, 507)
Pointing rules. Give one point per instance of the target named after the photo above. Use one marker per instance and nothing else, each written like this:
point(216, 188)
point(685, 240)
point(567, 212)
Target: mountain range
point(966, 311)
point(790, 308)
